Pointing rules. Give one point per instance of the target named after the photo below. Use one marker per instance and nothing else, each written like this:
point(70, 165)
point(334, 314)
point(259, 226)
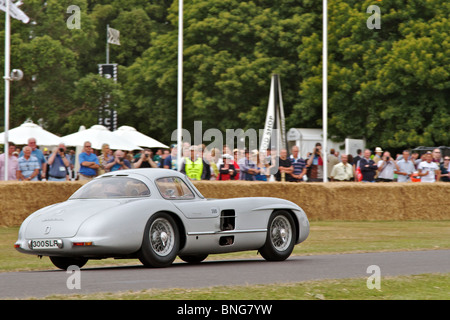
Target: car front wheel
point(161, 241)
point(280, 238)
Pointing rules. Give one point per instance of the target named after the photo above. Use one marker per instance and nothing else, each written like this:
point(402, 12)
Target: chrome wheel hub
point(162, 237)
point(281, 233)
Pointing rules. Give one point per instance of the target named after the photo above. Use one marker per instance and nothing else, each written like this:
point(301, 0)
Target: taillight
point(82, 244)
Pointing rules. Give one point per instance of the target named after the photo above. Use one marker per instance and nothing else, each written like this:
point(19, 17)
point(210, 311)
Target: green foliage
point(231, 49)
point(390, 86)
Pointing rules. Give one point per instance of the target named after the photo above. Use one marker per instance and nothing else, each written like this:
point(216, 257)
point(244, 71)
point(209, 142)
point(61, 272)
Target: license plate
point(45, 244)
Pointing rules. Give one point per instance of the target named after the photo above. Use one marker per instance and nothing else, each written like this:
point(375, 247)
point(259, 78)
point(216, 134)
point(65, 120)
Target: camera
point(121, 159)
point(61, 149)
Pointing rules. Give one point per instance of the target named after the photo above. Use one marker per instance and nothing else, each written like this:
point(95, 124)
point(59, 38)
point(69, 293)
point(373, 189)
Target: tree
point(231, 49)
point(391, 85)
point(91, 92)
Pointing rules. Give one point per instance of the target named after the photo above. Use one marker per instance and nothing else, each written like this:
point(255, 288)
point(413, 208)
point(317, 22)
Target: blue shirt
point(90, 158)
point(171, 163)
point(27, 167)
point(244, 165)
point(299, 164)
point(117, 166)
point(37, 153)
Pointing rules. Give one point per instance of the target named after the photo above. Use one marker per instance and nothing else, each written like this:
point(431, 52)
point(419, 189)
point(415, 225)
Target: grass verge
point(326, 237)
point(414, 287)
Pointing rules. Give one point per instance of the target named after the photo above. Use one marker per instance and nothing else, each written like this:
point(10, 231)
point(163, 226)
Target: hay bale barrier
point(345, 200)
point(330, 201)
point(20, 199)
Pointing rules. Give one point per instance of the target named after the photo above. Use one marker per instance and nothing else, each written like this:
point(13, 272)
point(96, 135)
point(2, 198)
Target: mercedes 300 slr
point(155, 215)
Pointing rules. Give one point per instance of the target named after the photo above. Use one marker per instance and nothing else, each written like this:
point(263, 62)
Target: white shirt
point(431, 167)
point(405, 167)
point(342, 172)
point(388, 170)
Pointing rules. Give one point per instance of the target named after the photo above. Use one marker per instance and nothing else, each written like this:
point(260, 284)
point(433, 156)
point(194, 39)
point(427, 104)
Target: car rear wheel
point(280, 238)
point(64, 262)
point(161, 241)
point(194, 258)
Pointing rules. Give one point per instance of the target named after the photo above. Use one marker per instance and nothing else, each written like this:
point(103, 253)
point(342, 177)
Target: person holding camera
point(119, 162)
point(145, 160)
point(315, 163)
point(386, 168)
point(58, 164)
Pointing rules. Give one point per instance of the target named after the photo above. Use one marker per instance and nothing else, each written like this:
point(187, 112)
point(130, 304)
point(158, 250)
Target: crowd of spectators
point(200, 163)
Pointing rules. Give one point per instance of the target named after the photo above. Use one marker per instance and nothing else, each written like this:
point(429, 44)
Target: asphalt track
point(39, 284)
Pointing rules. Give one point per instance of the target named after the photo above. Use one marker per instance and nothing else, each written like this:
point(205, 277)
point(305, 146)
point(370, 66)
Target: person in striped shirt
point(28, 166)
point(299, 165)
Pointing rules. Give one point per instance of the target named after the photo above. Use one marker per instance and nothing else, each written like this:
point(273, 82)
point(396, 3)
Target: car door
point(186, 200)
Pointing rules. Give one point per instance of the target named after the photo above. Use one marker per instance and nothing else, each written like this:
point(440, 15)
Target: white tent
point(138, 138)
point(28, 129)
point(97, 135)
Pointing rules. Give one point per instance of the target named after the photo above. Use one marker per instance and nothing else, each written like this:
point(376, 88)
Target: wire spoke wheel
point(161, 241)
point(280, 240)
point(281, 233)
point(162, 237)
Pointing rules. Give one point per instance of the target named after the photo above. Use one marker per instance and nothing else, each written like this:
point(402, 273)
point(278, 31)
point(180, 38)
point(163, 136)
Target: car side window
point(112, 187)
point(174, 188)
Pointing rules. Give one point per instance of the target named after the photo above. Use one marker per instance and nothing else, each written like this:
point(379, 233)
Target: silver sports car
point(155, 215)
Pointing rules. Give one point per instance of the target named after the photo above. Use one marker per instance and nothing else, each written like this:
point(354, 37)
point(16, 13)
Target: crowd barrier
point(329, 201)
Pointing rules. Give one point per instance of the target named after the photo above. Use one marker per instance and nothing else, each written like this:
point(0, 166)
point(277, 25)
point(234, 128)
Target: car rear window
point(112, 187)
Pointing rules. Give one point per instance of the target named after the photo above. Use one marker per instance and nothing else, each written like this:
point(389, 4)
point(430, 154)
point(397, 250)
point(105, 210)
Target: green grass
point(326, 237)
point(415, 287)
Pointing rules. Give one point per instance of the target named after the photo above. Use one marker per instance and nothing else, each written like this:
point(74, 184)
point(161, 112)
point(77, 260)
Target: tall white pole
point(107, 44)
point(325, 88)
point(180, 84)
point(7, 79)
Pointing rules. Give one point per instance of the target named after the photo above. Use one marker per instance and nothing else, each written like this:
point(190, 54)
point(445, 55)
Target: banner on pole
point(107, 114)
point(274, 134)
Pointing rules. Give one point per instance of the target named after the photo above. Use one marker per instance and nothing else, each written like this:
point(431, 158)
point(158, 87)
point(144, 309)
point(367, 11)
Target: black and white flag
point(114, 36)
point(14, 10)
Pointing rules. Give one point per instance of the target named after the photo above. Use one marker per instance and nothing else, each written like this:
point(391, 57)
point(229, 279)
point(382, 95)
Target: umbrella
point(139, 138)
point(97, 135)
point(27, 130)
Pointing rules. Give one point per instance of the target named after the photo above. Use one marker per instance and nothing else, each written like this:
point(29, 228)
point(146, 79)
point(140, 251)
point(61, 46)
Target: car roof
point(151, 173)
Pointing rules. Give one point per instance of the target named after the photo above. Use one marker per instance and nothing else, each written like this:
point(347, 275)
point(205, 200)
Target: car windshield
point(174, 188)
point(112, 187)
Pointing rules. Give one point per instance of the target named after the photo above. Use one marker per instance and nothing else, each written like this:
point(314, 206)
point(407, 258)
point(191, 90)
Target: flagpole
point(180, 84)
point(7, 79)
point(325, 88)
point(107, 44)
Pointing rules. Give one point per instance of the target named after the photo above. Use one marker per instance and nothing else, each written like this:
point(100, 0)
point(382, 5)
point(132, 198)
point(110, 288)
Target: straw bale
point(19, 199)
point(346, 201)
point(330, 201)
